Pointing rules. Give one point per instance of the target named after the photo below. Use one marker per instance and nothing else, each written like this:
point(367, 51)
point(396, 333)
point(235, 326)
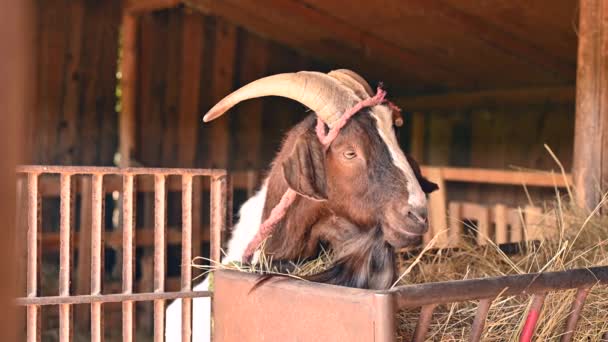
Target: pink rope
point(278, 212)
point(327, 138)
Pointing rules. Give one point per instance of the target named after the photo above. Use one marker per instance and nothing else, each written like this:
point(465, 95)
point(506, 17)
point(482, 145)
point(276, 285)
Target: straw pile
point(579, 240)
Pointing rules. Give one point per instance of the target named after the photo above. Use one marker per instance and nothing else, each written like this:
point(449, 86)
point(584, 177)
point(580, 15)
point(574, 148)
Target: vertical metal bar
point(186, 284)
point(528, 330)
point(426, 313)
point(480, 319)
point(575, 313)
point(127, 256)
point(96, 250)
point(64, 255)
point(32, 255)
point(159, 255)
point(218, 215)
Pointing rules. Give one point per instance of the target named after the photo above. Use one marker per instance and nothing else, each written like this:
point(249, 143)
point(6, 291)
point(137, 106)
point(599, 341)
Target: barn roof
point(423, 46)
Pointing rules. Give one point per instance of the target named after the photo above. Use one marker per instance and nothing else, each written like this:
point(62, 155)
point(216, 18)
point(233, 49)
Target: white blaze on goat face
point(384, 123)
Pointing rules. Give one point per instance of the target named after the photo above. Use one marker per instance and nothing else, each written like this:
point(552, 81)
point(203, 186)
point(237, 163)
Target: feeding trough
point(290, 309)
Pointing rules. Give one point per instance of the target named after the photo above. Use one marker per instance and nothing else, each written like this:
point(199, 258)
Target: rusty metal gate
point(64, 299)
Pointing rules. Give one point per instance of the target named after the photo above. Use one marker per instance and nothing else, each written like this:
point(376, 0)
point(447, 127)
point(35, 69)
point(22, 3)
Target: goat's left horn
point(354, 81)
point(323, 94)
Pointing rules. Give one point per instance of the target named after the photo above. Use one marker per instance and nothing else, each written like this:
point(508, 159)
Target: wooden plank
point(479, 213)
point(128, 83)
point(515, 221)
point(491, 176)
point(500, 220)
point(55, 43)
point(189, 112)
point(105, 120)
point(67, 133)
point(247, 124)
point(418, 135)
point(437, 210)
point(170, 104)
point(590, 165)
point(224, 55)
point(534, 228)
point(455, 224)
point(440, 139)
point(488, 99)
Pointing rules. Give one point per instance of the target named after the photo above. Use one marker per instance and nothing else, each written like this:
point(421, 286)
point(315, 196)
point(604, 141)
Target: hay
point(578, 240)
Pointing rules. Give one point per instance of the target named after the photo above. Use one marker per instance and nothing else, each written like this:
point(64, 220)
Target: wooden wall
point(187, 63)
point(500, 138)
point(74, 120)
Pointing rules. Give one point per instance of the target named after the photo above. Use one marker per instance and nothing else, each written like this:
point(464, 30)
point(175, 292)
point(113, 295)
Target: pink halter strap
point(279, 211)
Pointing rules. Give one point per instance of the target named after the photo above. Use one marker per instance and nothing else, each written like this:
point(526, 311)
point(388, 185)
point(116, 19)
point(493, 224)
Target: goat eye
point(350, 154)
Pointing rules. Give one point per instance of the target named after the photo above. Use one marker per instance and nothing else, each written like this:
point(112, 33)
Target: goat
point(359, 193)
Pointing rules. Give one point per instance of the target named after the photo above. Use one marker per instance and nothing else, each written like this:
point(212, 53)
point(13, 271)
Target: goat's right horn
point(323, 94)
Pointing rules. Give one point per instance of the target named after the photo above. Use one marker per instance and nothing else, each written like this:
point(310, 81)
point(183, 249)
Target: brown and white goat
point(361, 195)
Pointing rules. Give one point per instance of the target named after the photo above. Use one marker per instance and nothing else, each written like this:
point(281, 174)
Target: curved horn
point(354, 81)
point(321, 93)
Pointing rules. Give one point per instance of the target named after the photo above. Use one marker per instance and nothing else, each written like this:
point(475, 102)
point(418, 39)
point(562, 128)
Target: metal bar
point(102, 170)
point(32, 255)
point(426, 314)
point(480, 319)
point(127, 256)
point(159, 255)
point(64, 256)
point(110, 298)
point(186, 283)
point(96, 250)
point(575, 313)
point(218, 216)
point(474, 289)
point(528, 330)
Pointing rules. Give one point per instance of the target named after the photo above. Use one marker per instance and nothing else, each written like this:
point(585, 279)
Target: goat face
point(363, 177)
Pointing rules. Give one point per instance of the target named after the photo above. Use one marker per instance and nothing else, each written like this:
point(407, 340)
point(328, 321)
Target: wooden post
point(16, 85)
point(128, 69)
point(590, 159)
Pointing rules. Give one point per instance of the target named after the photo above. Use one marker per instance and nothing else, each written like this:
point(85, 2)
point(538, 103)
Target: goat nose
point(420, 214)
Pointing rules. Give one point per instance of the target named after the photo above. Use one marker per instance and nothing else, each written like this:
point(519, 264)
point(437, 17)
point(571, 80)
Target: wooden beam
point(487, 98)
point(590, 158)
point(142, 6)
point(503, 177)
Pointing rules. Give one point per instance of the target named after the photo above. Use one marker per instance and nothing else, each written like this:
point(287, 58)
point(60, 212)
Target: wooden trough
point(288, 309)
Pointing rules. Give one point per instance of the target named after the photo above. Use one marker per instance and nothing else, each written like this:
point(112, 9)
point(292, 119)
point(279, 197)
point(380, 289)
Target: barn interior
point(487, 90)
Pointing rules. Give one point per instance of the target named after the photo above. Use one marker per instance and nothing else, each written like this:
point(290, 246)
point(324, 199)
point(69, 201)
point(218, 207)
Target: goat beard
point(364, 261)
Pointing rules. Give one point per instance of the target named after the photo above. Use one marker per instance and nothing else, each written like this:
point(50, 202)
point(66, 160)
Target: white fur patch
point(384, 122)
point(250, 219)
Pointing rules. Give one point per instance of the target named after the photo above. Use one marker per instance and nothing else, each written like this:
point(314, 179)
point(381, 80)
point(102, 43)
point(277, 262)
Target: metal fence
point(538, 285)
point(64, 299)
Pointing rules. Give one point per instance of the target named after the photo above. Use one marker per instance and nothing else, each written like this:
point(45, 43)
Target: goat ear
point(304, 168)
point(426, 185)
